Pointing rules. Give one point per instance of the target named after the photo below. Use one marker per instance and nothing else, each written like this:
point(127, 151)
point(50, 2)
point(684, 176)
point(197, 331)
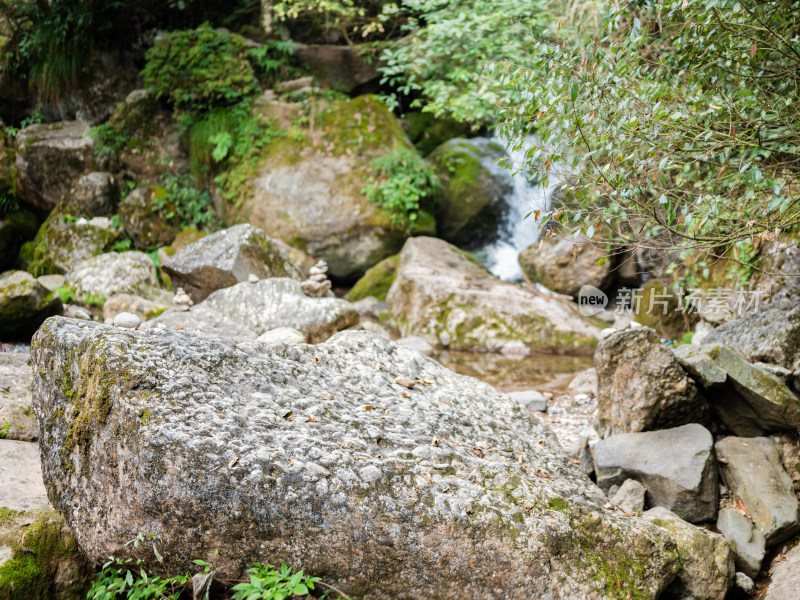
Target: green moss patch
point(376, 281)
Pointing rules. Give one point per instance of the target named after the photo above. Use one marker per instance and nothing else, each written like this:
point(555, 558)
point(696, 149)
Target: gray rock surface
point(21, 474)
point(748, 399)
point(630, 496)
point(580, 454)
point(788, 446)
point(530, 399)
point(707, 565)
point(93, 195)
point(282, 335)
point(50, 158)
point(24, 305)
point(202, 320)
point(744, 583)
point(315, 452)
point(279, 302)
point(566, 265)
point(16, 415)
point(443, 295)
point(62, 242)
point(641, 386)
point(752, 471)
point(142, 307)
point(114, 273)
point(584, 382)
point(749, 543)
point(677, 467)
point(418, 343)
point(146, 224)
point(785, 571)
point(227, 257)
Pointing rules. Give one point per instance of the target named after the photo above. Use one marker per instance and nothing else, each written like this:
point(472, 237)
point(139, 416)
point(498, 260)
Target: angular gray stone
point(269, 451)
point(93, 195)
point(24, 305)
point(677, 467)
point(114, 273)
point(752, 471)
point(21, 474)
point(227, 257)
point(641, 386)
point(16, 415)
point(630, 496)
point(785, 571)
point(748, 399)
point(530, 399)
point(279, 302)
point(749, 543)
point(202, 320)
point(744, 583)
point(707, 566)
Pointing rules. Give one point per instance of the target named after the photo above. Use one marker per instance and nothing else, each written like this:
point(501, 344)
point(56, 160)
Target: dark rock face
point(227, 257)
point(677, 466)
point(316, 453)
point(641, 385)
point(343, 68)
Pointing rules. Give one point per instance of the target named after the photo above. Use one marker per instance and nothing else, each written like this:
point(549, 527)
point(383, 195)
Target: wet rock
point(113, 273)
point(24, 305)
point(566, 265)
point(310, 192)
point(93, 195)
point(785, 571)
point(202, 320)
point(50, 159)
point(707, 566)
point(63, 241)
point(771, 334)
point(142, 307)
point(677, 466)
point(446, 297)
point(630, 496)
point(641, 385)
point(749, 543)
point(279, 302)
point(227, 257)
point(473, 190)
point(16, 415)
point(752, 471)
point(748, 399)
point(39, 557)
point(21, 474)
point(282, 335)
point(530, 399)
point(306, 446)
point(584, 382)
point(147, 224)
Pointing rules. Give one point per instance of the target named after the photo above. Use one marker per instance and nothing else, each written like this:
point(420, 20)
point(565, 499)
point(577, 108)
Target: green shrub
point(180, 197)
point(402, 183)
point(200, 69)
point(67, 293)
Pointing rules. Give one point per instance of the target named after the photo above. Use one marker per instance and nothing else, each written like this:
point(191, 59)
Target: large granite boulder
point(24, 305)
point(317, 453)
point(146, 224)
point(752, 470)
point(280, 302)
point(748, 399)
point(472, 198)
point(677, 466)
point(16, 415)
point(225, 258)
point(307, 189)
point(641, 386)
point(64, 240)
point(707, 565)
point(442, 294)
point(566, 265)
point(50, 157)
point(114, 273)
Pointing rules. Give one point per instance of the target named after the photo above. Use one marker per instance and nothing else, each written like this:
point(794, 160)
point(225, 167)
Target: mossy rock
point(656, 307)
point(427, 132)
point(148, 226)
point(15, 229)
point(185, 237)
point(24, 305)
point(473, 193)
point(63, 241)
point(376, 281)
point(42, 561)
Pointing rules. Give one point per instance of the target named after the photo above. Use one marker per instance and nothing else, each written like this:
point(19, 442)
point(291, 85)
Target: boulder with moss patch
point(376, 281)
point(24, 305)
point(93, 195)
point(100, 277)
point(307, 188)
point(50, 157)
point(64, 240)
point(472, 199)
point(442, 294)
point(148, 225)
point(429, 498)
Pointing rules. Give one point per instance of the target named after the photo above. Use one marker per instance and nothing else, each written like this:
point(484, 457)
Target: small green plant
point(122, 245)
point(67, 293)
point(179, 197)
point(97, 300)
point(4, 430)
point(268, 583)
point(401, 183)
point(8, 203)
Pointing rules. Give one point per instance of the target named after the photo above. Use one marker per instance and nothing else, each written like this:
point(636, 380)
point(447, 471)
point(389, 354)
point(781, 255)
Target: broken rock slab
point(749, 543)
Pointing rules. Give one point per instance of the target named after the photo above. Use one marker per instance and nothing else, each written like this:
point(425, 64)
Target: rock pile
point(317, 285)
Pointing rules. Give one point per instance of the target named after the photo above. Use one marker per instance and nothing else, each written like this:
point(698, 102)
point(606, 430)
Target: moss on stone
point(376, 281)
